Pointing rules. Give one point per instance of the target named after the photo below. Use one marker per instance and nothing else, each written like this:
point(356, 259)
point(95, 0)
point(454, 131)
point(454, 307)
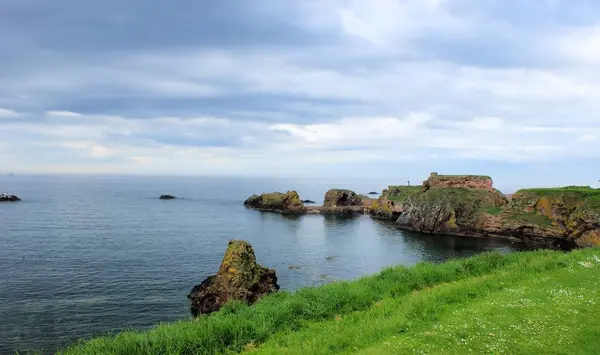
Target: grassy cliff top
point(584, 191)
point(400, 192)
point(530, 302)
point(584, 196)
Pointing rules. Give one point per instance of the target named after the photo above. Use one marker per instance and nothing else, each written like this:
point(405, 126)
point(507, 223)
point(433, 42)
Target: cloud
point(241, 87)
point(4, 113)
point(63, 114)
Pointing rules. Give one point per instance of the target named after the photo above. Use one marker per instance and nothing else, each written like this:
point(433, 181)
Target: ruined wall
point(469, 181)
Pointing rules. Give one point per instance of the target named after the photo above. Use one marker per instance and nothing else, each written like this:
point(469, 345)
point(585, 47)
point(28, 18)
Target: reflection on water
point(82, 256)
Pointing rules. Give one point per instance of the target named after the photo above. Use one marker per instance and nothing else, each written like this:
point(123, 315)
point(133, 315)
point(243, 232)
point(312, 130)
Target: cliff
point(565, 217)
point(391, 201)
point(452, 210)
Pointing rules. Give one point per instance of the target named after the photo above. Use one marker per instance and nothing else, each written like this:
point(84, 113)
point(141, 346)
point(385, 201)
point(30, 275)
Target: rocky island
point(239, 278)
point(167, 197)
point(336, 201)
point(4, 197)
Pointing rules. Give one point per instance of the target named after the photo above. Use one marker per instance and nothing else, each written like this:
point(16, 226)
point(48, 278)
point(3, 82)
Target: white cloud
point(63, 114)
point(582, 44)
point(4, 113)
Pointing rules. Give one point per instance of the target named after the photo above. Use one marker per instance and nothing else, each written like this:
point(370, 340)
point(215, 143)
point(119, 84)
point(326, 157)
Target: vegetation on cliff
point(448, 210)
point(399, 193)
point(389, 204)
point(567, 216)
point(533, 302)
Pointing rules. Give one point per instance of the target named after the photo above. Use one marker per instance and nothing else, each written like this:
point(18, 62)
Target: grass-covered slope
point(535, 302)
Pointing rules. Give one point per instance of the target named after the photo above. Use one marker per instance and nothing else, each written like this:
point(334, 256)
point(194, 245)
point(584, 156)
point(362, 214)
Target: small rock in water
point(239, 278)
point(332, 257)
point(293, 267)
point(4, 197)
point(373, 193)
point(308, 201)
point(167, 197)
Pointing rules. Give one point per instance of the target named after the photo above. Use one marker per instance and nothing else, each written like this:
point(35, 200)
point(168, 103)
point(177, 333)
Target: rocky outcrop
point(467, 181)
point(390, 203)
point(572, 212)
point(342, 198)
point(9, 198)
point(308, 201)
point(239, 278)
point(373, 193)
point(167, 197)
point(447, 210)
point(345, 202)
point(564, 217)
point(288, 202)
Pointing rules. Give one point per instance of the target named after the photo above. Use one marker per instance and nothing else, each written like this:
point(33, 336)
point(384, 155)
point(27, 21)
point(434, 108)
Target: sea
point(84, 256)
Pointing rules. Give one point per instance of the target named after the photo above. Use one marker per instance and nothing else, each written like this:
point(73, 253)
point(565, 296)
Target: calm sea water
point(83, 256)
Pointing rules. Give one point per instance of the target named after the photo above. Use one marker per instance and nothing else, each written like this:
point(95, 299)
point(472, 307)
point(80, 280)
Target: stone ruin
point(469, 181)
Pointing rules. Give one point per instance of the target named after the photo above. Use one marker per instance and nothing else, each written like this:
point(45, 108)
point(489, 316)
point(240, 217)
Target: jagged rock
point(167, 197)
point(342, 198)
point(239, 278)
point(308, 201)
point(9, 198)
point(288, 202)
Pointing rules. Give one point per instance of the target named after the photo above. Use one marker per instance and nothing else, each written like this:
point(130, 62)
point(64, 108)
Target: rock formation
point(564, 217)
point(239, 278)
point(308, 201)
point(288, 202)
point(467, 181)
point(167, 197)
point(9, 198)
point(373, 193)
point(342, 198)
point(390, 203)
point(453, 210)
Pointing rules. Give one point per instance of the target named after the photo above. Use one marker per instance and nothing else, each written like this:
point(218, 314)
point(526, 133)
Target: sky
point(307, 88)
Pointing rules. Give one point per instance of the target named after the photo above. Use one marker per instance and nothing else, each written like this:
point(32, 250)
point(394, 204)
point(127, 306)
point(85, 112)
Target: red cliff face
point(468, 181)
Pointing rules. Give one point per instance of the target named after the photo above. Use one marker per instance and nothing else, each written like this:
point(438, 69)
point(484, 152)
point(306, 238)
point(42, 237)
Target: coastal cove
point(84, 256)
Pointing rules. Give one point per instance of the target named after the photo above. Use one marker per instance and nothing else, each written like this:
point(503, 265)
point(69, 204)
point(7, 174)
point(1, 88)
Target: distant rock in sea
point(308, 201)
point(373, 193)
point(9, 198)
point(239, 278)
point(167, 197)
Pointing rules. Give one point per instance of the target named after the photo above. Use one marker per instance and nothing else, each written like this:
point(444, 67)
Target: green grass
point(403, 310)
point(399, 193)
point(494, 211)
point(531, 218)
point(583, 190)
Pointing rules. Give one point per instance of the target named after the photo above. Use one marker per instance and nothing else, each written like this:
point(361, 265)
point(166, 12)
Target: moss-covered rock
point(288, 202)
point(447, 210)
point(572, 211)
point(391, 201)
point(342, 198)
point(239, 278)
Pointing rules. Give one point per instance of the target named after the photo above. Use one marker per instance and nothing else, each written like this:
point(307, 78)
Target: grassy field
point(527, 303)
